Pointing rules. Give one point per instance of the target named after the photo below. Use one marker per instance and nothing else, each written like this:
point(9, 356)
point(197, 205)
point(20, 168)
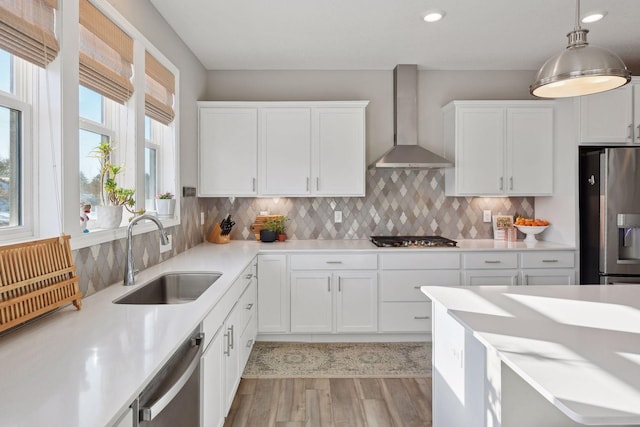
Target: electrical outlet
point(201, 218)
point(486, 215)
point(167, 248)
point(337, 217)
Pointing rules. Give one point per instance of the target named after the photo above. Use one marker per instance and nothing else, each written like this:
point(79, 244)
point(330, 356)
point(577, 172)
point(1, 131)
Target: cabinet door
point(529, 151)
point(607, 117)
point(273, 294)
point(636, 111)
point(338, 141)
point(228, 151)
point(552, 276)
point(357, 302)
point(285, 151)
point(211, 383)
point(491, 277)
point(480, 154)
point(311, 302)
point(231, 357)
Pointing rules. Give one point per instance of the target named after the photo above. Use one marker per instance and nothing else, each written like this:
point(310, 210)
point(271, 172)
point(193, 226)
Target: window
point(10, 167)
point(6, 72)
point(16, 193)
point(150, 166)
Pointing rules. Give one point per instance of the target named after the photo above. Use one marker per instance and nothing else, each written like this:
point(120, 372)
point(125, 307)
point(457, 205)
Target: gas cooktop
point(412, 241)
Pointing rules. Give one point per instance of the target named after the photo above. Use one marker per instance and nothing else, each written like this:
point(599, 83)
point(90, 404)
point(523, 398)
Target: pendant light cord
point(577, 27)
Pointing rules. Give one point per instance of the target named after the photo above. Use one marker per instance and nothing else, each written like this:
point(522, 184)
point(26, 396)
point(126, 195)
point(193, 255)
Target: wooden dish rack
point(35, 278)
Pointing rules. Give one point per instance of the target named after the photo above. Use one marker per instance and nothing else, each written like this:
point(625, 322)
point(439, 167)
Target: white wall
point(193, 76)
point(435, 89)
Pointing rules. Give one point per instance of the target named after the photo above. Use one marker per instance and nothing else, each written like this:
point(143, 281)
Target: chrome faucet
point(129, 269)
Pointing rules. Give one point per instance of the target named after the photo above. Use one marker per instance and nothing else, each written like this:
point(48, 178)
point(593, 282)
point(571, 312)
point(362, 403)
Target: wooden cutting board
point(258, 224)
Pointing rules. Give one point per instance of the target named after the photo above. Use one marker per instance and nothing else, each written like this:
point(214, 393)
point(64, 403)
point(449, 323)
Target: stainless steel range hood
point(406, 153)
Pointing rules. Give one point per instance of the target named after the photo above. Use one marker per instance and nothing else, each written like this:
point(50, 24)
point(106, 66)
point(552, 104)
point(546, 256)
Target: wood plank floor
point(336, 402)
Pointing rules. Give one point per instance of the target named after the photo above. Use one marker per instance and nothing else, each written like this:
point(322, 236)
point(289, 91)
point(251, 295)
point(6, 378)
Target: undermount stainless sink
point(171, 288)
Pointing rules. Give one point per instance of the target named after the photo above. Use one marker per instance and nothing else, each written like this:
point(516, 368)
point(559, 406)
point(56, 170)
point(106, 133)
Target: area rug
point(338, 360)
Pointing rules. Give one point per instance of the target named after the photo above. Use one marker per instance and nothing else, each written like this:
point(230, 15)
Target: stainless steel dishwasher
point(173, 396)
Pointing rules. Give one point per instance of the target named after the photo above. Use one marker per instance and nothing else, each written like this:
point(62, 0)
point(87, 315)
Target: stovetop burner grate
point(412, 241)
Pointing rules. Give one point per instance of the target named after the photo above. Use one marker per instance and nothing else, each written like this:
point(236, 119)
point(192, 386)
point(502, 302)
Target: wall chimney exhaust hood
point(406, 153)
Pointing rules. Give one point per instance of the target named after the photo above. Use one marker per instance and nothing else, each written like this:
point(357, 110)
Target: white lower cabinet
point(273, 294)
point(548, 268)
point(404, 308)
point(212, 389)
point(334, 293)
point(229, 332)
point(126, 420)
point(490, 268)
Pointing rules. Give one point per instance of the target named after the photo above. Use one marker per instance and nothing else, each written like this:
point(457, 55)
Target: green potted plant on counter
point(274, 228)
point(112, 196)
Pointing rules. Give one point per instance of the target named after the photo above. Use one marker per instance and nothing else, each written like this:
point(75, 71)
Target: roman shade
point(159, 92)
point(106, 55)
point(27, 30)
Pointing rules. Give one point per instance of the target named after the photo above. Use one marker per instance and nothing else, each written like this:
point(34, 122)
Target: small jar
point(510, 234)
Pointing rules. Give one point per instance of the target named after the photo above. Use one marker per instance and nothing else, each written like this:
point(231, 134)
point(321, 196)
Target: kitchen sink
point(171, 288)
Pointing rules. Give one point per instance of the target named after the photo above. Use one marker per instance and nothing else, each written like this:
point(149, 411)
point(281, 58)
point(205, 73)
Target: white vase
point(165, 207)
point(108, 217)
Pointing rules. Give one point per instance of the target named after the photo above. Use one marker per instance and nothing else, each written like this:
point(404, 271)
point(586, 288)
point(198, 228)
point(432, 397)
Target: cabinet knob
point(249, 306)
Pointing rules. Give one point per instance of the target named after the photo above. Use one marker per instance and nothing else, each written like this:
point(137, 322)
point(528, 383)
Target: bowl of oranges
point(531, 227)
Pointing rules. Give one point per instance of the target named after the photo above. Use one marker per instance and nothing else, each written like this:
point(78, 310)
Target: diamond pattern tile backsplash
point(397, 202)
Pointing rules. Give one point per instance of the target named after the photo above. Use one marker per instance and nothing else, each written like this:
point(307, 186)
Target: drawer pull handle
point(334, 262)
point(549, 260)
point(248, 276)
point(249, 343)
point(329, 284)
point(249, 306)
point(416, 287)
point(421, 317)
point(488, 261)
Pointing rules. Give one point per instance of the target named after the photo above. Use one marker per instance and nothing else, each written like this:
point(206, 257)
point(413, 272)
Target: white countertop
point(86, 366)
point(80, 368)
point(578, 346)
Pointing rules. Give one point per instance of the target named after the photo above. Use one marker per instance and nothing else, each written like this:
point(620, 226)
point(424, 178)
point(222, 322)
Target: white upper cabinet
point(285, 151)
point(611, 117)
point(228, 151)
point(501, 148)
point(339, 151)
point(298, 148)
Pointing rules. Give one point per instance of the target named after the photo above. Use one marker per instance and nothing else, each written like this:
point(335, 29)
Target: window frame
point(52, 130)
point(26, 230)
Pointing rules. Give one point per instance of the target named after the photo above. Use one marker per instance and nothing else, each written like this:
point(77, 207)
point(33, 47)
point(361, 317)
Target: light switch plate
point(337, 217)
point(486, 215)
point(201, 218)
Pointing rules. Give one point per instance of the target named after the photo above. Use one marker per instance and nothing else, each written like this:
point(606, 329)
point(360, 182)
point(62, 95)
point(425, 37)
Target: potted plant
point(165, 205)
point(268, 232)
point(275, 229)
point(112, 196)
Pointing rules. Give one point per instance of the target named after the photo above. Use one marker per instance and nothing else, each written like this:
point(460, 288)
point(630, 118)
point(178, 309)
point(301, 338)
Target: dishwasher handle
point(148, 413)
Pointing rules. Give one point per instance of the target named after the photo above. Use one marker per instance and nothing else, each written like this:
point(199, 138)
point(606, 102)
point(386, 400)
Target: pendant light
point(580, 69)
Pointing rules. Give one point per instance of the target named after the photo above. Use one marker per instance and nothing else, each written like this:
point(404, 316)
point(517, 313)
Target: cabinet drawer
point(420, 260)
point(337, 261)
point(551, 259)
point(491, 277)
point(248, 305)
point(398, 285)
point(406, 317)
point(490, 260)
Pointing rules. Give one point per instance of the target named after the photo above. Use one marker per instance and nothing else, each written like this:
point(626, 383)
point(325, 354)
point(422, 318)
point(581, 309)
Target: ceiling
point(378, 34)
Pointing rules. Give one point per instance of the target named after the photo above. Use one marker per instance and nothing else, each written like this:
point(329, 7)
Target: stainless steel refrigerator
point(609, 215)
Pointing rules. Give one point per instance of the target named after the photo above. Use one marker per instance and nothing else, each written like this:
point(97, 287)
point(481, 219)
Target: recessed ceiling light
point(434, 16)
point(593, 17)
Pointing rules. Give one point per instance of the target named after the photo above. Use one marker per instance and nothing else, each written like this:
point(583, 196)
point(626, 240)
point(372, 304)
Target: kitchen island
point(536, 355)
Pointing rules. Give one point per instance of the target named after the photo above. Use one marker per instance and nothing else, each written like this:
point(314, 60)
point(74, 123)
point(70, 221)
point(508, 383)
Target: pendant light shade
point(580, 69)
